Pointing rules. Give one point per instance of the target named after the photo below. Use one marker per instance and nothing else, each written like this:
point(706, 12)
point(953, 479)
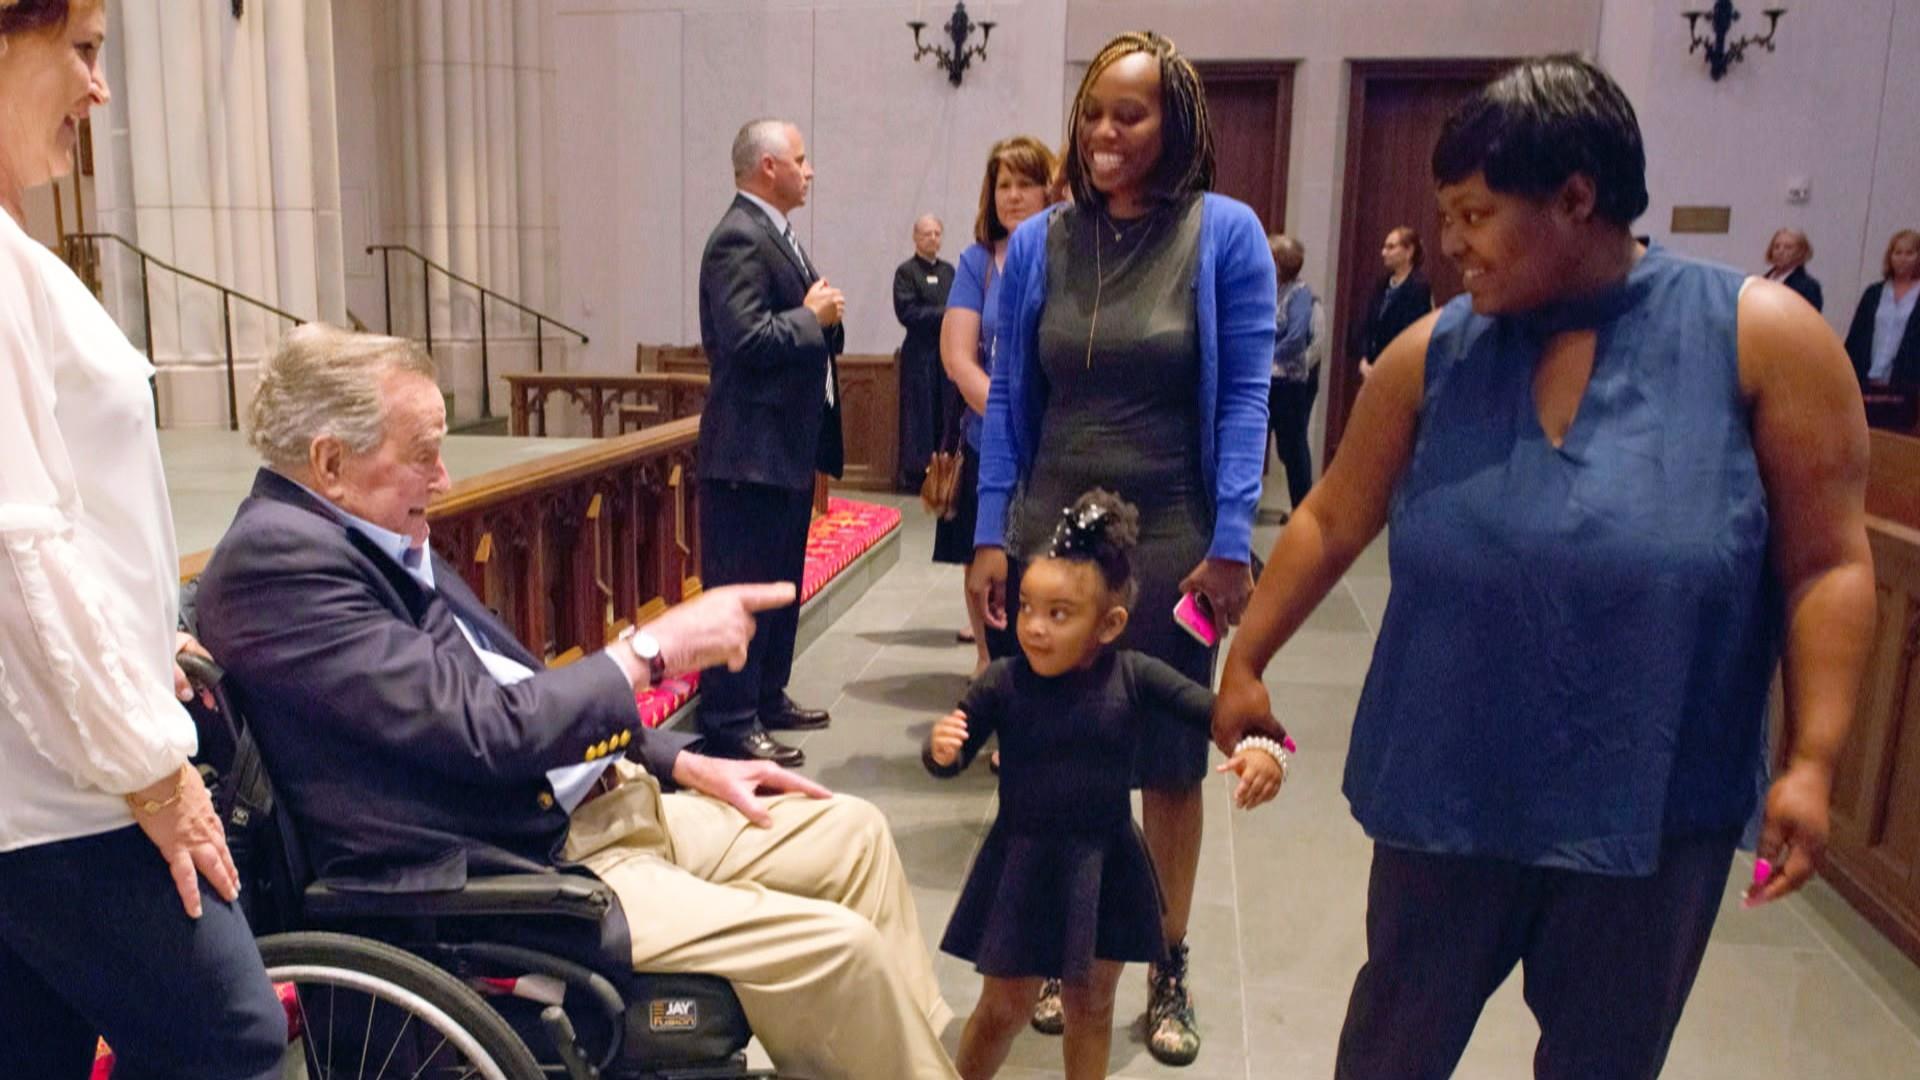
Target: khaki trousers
point(810, 919)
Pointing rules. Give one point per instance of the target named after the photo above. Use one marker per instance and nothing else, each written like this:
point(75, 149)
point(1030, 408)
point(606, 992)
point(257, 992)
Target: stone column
point(466, 90)
point(219, 157)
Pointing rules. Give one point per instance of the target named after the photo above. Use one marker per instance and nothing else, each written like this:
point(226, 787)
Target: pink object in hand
point(1762, 870)
point(1192, 615)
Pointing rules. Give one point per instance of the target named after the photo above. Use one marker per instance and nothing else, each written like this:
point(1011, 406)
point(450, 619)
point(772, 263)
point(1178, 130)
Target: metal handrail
point(72, 243)
point(540, 319)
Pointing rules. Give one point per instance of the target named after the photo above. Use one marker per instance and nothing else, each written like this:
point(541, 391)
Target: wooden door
point(1395, 115)
point(1251, 106)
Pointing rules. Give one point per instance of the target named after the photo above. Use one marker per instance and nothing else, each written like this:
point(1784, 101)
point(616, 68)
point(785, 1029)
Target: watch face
point(645, 646)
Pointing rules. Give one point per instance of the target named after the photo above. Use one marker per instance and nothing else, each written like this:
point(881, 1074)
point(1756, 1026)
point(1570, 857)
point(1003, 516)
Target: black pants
point(1289, 407)
point(1608, 961)
point(93, 941)
point(752, 533)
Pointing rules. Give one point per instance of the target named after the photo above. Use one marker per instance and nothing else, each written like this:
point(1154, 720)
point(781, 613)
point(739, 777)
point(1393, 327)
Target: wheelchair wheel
point(363, 1010)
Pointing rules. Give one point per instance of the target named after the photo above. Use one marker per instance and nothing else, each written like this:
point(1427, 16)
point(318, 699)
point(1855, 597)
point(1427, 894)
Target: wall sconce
point(959, 28)
point(239, 8)
point(1721, 53)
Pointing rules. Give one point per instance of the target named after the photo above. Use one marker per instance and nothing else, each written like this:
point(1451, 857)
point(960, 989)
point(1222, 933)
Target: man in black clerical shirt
point(920, 288)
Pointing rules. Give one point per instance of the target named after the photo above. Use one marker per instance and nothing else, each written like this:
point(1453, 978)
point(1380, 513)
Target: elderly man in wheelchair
point(437, 789)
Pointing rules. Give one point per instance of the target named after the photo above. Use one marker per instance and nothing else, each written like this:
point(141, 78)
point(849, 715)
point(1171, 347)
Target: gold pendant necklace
point(1099, 269)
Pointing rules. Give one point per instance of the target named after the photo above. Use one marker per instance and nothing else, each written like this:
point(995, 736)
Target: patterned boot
point(1049, 1016)
point(1172, 1037)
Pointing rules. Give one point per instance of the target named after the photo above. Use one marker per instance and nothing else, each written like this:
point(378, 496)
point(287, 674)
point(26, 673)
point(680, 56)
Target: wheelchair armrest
point(567, 895)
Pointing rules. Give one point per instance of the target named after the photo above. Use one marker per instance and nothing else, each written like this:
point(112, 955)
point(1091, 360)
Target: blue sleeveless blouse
point(1579, 643)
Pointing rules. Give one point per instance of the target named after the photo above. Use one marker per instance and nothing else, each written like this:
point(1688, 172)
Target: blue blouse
point(976, 287)
point(1578, 646)
point(1234, 312)
point(1889, 326)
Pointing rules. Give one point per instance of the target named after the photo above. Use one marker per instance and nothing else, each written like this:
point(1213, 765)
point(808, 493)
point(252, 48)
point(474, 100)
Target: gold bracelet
point(153, 806)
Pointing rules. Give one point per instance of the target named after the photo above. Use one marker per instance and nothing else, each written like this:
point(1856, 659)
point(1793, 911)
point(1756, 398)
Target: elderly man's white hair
point(327, 381)
point(757, 139)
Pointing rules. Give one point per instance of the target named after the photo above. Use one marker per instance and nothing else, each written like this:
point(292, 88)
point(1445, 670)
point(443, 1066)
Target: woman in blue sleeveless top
point(1621, 485)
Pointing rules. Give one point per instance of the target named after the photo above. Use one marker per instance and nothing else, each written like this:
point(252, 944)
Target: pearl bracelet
point(1271, 746)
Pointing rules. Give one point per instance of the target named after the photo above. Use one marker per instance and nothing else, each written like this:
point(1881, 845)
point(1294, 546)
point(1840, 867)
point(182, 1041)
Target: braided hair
point(1186, 135)
point(1100, 528)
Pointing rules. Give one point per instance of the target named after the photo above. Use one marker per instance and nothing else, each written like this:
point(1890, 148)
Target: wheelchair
point(513, 977)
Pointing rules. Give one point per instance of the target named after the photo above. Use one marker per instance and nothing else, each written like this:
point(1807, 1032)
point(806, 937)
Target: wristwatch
point(646, 649)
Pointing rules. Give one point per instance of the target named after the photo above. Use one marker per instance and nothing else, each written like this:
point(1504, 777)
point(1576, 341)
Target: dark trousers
point(1289, 407)
point(752, 533)
point(1608, 961)
point(93, 941)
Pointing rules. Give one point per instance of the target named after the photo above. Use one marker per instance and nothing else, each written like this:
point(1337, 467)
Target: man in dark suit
point(771, 328)
point(416, 744)
point(927, 398)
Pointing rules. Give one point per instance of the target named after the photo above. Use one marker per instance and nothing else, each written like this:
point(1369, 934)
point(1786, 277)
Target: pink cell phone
point(1195, 616)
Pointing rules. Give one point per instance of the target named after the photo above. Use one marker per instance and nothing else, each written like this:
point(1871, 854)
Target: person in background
point(1621, 488)
point(1884, 338)
point(1296, 375)
point(772, 328)
point(920, 288)
point(1398, 301)
point(117, 890)
point(1016, 187)
point(1133, 353)
point(1787, 256)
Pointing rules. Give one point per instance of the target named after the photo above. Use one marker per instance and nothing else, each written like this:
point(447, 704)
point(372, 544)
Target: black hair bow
point(1079, 533)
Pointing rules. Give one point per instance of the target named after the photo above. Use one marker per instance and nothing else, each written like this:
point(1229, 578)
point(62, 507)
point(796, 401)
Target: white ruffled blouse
point(88, 571)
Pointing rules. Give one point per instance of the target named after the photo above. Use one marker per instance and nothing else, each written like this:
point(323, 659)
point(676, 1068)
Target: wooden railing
point(1874, 854)
point(570, 548)
point(631, 401)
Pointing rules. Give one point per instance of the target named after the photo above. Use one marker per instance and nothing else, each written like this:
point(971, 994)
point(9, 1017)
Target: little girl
point(1063, 885)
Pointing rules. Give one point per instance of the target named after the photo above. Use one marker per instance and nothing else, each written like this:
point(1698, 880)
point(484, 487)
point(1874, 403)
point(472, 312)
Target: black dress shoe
point(754, 745)
point(789, 716)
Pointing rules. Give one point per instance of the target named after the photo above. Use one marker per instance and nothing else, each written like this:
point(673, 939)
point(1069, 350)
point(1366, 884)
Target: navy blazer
point(406, 766)
point(1807, 286)
point(766, 420)
point(1379, 325)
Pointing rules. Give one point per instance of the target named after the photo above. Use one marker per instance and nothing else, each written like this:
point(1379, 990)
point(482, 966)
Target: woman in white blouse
point(106, 833)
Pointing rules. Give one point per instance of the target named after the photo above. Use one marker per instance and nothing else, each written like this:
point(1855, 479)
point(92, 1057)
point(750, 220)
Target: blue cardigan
point(1234, 305)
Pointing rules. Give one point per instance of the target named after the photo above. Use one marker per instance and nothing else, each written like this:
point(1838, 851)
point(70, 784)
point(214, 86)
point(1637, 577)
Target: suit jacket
point(1806, 285)
point(1377, 327)
point(920, 293)
point(928, 406)
point(405, 765)
point(766, 420)
point(1906, 362)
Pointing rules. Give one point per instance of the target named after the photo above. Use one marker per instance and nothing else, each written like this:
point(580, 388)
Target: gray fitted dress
point(1126, 417)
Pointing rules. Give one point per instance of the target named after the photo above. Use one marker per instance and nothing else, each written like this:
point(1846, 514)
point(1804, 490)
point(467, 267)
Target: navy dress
point(1575, 660)
point(1063, 877)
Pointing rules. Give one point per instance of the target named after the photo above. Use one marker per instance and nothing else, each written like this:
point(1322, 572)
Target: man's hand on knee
point(739, 783)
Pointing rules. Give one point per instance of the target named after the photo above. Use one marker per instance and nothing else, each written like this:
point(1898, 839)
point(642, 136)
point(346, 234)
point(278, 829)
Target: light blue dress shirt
point(1889, 325)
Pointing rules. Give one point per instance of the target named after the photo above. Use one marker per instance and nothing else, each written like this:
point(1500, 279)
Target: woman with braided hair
point(1063, 884)
point(1132, 353)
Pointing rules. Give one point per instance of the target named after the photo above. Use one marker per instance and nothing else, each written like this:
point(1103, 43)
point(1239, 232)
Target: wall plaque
point(1702, 219)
